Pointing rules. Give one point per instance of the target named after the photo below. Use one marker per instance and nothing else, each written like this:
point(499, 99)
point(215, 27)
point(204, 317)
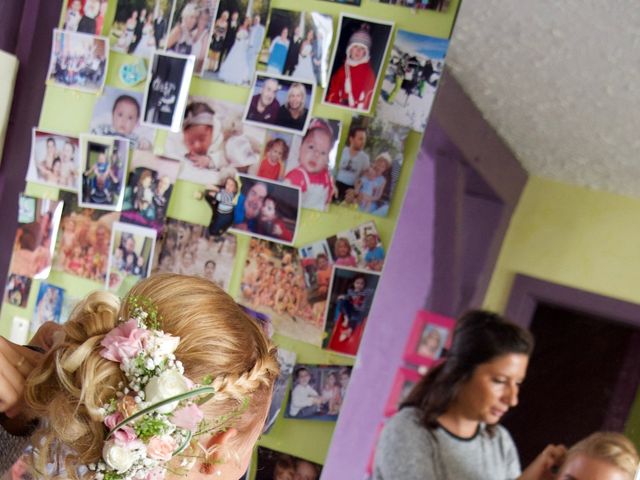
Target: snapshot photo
point(117, 113)
point(273, 283)
point(273, 465)
point(83, 243)
point(317, 392)
point(167, 89)
point(430, 335)
point(297, 45)
point(16, 291)
point(188, 249)
point(78, 61)
point(370, 164)
point(48, 306)
point(357, 61)
point(214, 142)
point(36, 237)
point(437, 5)
point(350, 297)
point(403, 383)
point(140, 26)
point(359, 247)
point(84, 16)
point(130, 256)
point(317, 264)
point(287, 361)
point(280, 103)
point(238, 32)
point(266, 209)
point(410, 81)
point(274, 156)
point(104, 168)
point(55, 160)
point(148, 190)
point(311, 162)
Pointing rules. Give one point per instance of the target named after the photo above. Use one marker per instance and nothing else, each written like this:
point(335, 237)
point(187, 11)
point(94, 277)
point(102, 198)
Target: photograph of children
point(221, 199)
point(266, 209)
point(317, 392)
point(350, 298)
point(370, 164)
point(287, 361)
point(280, 103)
point(54, 160)
point(187, 248)
point(35, 239)
point(297, 45)
point(48, 306)
point(274, 465)
point(275, 155)
point(140, 26)
point(84, 16)
point(438, 5)
point(16, 291)
point(359, 247)
point(83, 244)
point(317, 265)
point(273, 283)
point(167, 89)
point(105, 162)
point(410, 82)
point(148, 190)
point(117, 113)
point(312, 158)
point(130, 256)
point(357, 62)
point(214, 143)
point(78, 61)
point(235, 43)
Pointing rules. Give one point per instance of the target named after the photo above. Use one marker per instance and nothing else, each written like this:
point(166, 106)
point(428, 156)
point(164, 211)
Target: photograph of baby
point(54, 160)
point(235, 43)
point(117, 113)
point(35, 238)
point(317, 392)
point(148, 190)
point(275, 155)
point(84, 16)
point(130, 256)
point(370, 164)
point(188, 249)
point(167, 89)
point(16, 291)
point(297, 45)
point(287, 361)
point(410, 82)
point(222, 200)
point(274, 465)
point(357, 62)
point(438, 5)
point(140, 26)
point(280, 103)
point(78, 61)
point(273, 283)
point(48, 306)
point(83, 244)
point(266, 209)
point(350, 298)
point(359, 247)
point(214, 143)
point(311, 160)
point(105, 161)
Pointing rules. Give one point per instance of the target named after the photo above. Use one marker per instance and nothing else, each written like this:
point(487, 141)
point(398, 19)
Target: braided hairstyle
point(217, 340)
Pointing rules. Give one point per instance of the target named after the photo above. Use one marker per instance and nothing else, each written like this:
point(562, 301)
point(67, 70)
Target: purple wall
point(401, 293)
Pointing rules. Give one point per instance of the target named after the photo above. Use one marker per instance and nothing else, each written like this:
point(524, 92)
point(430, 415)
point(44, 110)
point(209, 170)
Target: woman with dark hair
point(447, 428)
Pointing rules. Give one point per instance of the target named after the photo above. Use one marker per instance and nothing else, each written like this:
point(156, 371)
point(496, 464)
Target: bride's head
point(79, 388)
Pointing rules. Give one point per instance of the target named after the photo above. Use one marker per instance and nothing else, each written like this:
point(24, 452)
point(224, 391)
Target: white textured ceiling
point(560, 82)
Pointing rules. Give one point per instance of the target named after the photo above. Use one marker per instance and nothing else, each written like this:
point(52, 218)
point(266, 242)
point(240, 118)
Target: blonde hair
point(613, 448)
point(217, 340)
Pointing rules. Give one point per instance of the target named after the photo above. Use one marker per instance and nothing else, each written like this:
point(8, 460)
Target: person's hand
point(545, 465)
point(200, 161)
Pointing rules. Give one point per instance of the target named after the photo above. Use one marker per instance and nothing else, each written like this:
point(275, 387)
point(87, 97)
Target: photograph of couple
point(140, 27)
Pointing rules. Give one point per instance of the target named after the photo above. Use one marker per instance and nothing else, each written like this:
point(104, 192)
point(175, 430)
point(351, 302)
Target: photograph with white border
point(130, 256)
point(55, 159)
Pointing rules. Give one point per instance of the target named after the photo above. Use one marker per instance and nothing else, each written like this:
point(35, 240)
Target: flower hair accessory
point(154, 416)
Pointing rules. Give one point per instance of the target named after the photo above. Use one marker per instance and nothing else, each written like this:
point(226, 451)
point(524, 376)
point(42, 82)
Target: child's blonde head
point(609, 447)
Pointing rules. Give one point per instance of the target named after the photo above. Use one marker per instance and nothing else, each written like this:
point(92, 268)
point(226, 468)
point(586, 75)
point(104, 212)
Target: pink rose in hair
point(112, 420)
point(188, 417)
point(125, 436)
point(161, 448)
point(123, 342)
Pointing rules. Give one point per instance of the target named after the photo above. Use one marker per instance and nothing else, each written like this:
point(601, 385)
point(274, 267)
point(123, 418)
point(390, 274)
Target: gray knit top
point(11, 447)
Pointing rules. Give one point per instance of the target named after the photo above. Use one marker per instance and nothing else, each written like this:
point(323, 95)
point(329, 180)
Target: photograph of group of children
point(189, 249)
point(273, 465)
point(297, 45)
point(54, 160)
point(317, 392)
point(130, 256)
point(48, 306)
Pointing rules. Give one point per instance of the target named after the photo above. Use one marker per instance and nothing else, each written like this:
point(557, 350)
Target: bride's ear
point(213, 449)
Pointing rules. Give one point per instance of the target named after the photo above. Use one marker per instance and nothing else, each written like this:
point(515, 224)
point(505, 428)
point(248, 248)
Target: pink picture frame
point(403, 382)
point(430, 335)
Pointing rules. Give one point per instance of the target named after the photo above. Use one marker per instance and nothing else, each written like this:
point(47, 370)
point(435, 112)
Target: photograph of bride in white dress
point(297, 45)
point(234, 45)
point(140, 26)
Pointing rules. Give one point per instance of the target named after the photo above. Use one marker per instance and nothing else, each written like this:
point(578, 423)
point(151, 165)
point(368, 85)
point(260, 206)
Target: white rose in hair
point(168, 384)
point(118, 457)
point(162, 345)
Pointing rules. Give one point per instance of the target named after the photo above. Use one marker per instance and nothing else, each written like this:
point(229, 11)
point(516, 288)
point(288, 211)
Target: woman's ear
point(213, 449)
